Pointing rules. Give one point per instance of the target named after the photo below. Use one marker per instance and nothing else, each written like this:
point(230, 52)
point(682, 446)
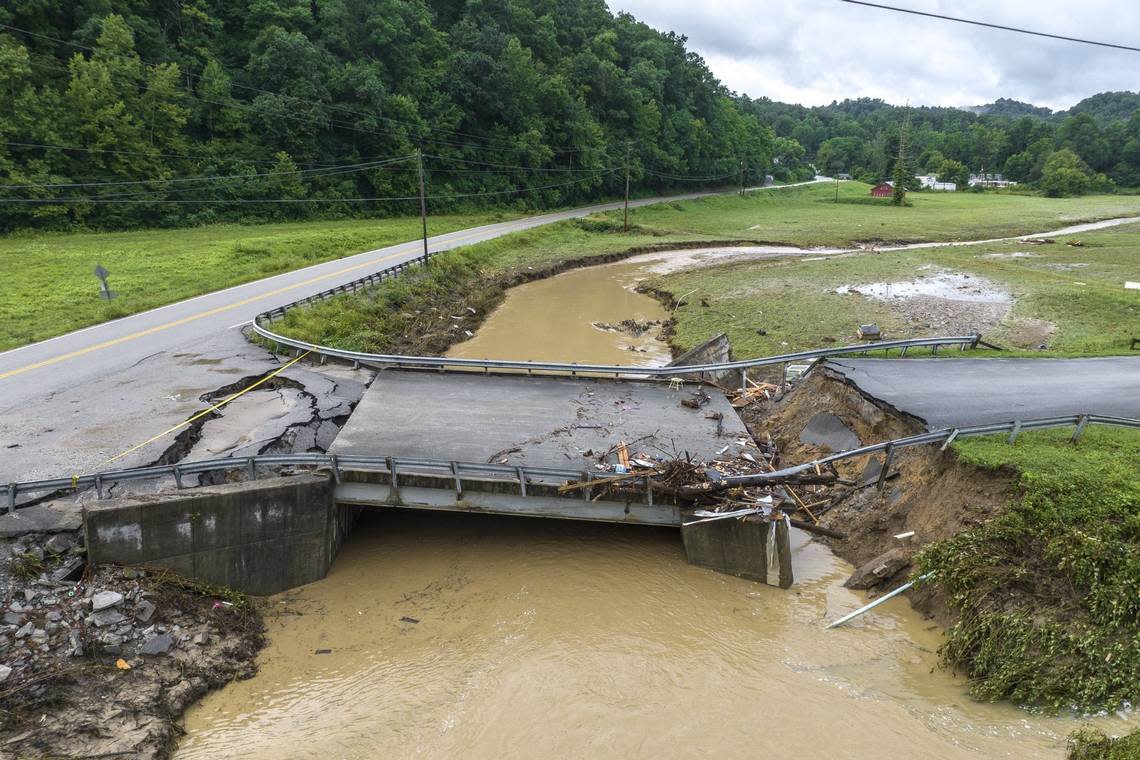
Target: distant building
point(930, 182)
point(883, 190)
point(843, 175)
point(990, 180)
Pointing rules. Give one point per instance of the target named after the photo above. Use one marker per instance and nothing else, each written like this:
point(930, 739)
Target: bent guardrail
point(523, 474)
point(946, 436)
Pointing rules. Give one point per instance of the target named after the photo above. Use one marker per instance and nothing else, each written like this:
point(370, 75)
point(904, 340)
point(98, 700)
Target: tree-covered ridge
point(860, 137)
point(300, 100)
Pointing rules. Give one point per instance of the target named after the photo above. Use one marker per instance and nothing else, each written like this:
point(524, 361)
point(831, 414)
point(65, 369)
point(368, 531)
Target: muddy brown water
point(447, 635)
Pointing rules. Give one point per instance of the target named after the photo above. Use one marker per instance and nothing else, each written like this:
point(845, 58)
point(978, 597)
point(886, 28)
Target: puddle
point(951, 286)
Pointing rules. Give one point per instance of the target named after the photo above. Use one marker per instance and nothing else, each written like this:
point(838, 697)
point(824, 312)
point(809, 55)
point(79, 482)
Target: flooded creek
point(557, 319)
point(472, 636)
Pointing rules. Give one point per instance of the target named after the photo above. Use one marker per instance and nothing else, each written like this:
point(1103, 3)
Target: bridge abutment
point(743, 547)
point(260, 537)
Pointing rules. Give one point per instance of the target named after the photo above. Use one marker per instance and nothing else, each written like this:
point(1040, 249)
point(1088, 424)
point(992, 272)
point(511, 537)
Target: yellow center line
point(210, 312)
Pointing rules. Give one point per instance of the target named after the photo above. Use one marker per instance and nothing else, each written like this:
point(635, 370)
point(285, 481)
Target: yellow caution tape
point(197, 416)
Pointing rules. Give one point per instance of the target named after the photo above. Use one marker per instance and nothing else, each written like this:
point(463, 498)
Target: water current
point(469, 636)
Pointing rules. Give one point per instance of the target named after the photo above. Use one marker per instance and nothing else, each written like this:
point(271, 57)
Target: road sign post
point(105, 291)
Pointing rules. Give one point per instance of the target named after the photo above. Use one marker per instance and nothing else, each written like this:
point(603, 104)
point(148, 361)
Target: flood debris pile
point(98, 662)
point(739, 481)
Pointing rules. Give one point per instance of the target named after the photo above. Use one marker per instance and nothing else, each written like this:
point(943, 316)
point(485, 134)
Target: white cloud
point(816, 51)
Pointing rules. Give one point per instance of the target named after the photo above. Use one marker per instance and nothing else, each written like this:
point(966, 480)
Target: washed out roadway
point(948, 392)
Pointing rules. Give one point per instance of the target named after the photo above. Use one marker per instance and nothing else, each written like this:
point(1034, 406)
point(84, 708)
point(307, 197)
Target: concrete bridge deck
point(536, 421)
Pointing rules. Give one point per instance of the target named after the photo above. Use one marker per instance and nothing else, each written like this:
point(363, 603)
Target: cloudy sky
point(816, 51)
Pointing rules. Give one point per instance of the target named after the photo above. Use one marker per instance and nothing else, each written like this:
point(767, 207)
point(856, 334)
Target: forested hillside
point(129, 113)
point(1098, 139)
point(304, 101)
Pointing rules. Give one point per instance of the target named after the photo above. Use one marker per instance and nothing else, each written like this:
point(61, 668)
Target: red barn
point(883, 190)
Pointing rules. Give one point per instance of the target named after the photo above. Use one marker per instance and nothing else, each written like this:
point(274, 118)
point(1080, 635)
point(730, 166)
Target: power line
point(106, 200)
point(508, 166)
point(328, 169)
point(148, 154)
point(988, 25)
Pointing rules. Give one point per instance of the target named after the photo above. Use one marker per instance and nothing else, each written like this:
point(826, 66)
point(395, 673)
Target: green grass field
point(49, 287)
point(806, 215)
point(1080, 290)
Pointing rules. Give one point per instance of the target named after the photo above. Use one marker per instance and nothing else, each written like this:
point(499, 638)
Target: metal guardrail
point(262, 321)
point(948, 435)
point(521, 475)
point(336, 463)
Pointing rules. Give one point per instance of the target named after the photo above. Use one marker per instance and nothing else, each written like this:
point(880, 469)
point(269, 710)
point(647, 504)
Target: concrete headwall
point(260, 537)
point(715, 350)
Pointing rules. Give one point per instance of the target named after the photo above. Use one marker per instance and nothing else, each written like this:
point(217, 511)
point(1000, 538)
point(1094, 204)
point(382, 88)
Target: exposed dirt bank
point(104, 665)
point(932, 494)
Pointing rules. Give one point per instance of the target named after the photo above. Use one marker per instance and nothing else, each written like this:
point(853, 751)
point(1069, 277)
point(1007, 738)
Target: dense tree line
point(303, 101)
point(1093, 146)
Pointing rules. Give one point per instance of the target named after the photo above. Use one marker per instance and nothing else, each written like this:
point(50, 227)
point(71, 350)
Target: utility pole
point(423, 202)
point(627, 185)
point(742, 178)
point(837, 188)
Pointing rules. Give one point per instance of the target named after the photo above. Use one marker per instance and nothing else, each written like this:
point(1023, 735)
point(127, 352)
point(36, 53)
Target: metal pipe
point(867, 608)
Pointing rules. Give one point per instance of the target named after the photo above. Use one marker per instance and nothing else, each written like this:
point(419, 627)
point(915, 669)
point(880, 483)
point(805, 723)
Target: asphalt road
point(105, 349)
point(948, 392)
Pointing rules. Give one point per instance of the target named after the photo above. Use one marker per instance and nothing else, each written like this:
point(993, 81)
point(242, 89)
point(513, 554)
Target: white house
point(990, 180)
point(930, 182)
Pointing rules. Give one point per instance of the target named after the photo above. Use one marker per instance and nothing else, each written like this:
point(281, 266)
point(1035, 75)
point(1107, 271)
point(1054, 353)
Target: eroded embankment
point(928, 492)
point(425, 313)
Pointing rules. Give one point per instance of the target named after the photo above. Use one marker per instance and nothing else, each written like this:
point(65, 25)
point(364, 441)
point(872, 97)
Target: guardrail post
point(904, 350)
point(335, 465)
point(949, 439)
point(11, 498)
point(649, 490)
point(251, 466)
point(458, 481)
point(177, 476)
point(1082, 423)
point(743, 379)
point(522, 481)
point(99, 486)
point(587, 492)
point(890, 455)
point(1014, 432)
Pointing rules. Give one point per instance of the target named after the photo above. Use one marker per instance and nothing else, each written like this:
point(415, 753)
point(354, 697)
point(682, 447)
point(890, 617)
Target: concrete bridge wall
point(261, 537)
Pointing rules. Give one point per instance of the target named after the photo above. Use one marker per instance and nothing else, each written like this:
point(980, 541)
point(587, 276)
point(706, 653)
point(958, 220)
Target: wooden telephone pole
point(627, 185)
point(423, 201)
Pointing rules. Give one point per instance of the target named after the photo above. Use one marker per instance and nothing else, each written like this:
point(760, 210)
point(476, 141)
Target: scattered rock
point(144, 611)
point(879, 569)
point(5, 671)
point(12, 618)
point(25, 630)
point(104, 618)
point(104, 599)
point(59, 544)
point(160, 644)
point(75, 641)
